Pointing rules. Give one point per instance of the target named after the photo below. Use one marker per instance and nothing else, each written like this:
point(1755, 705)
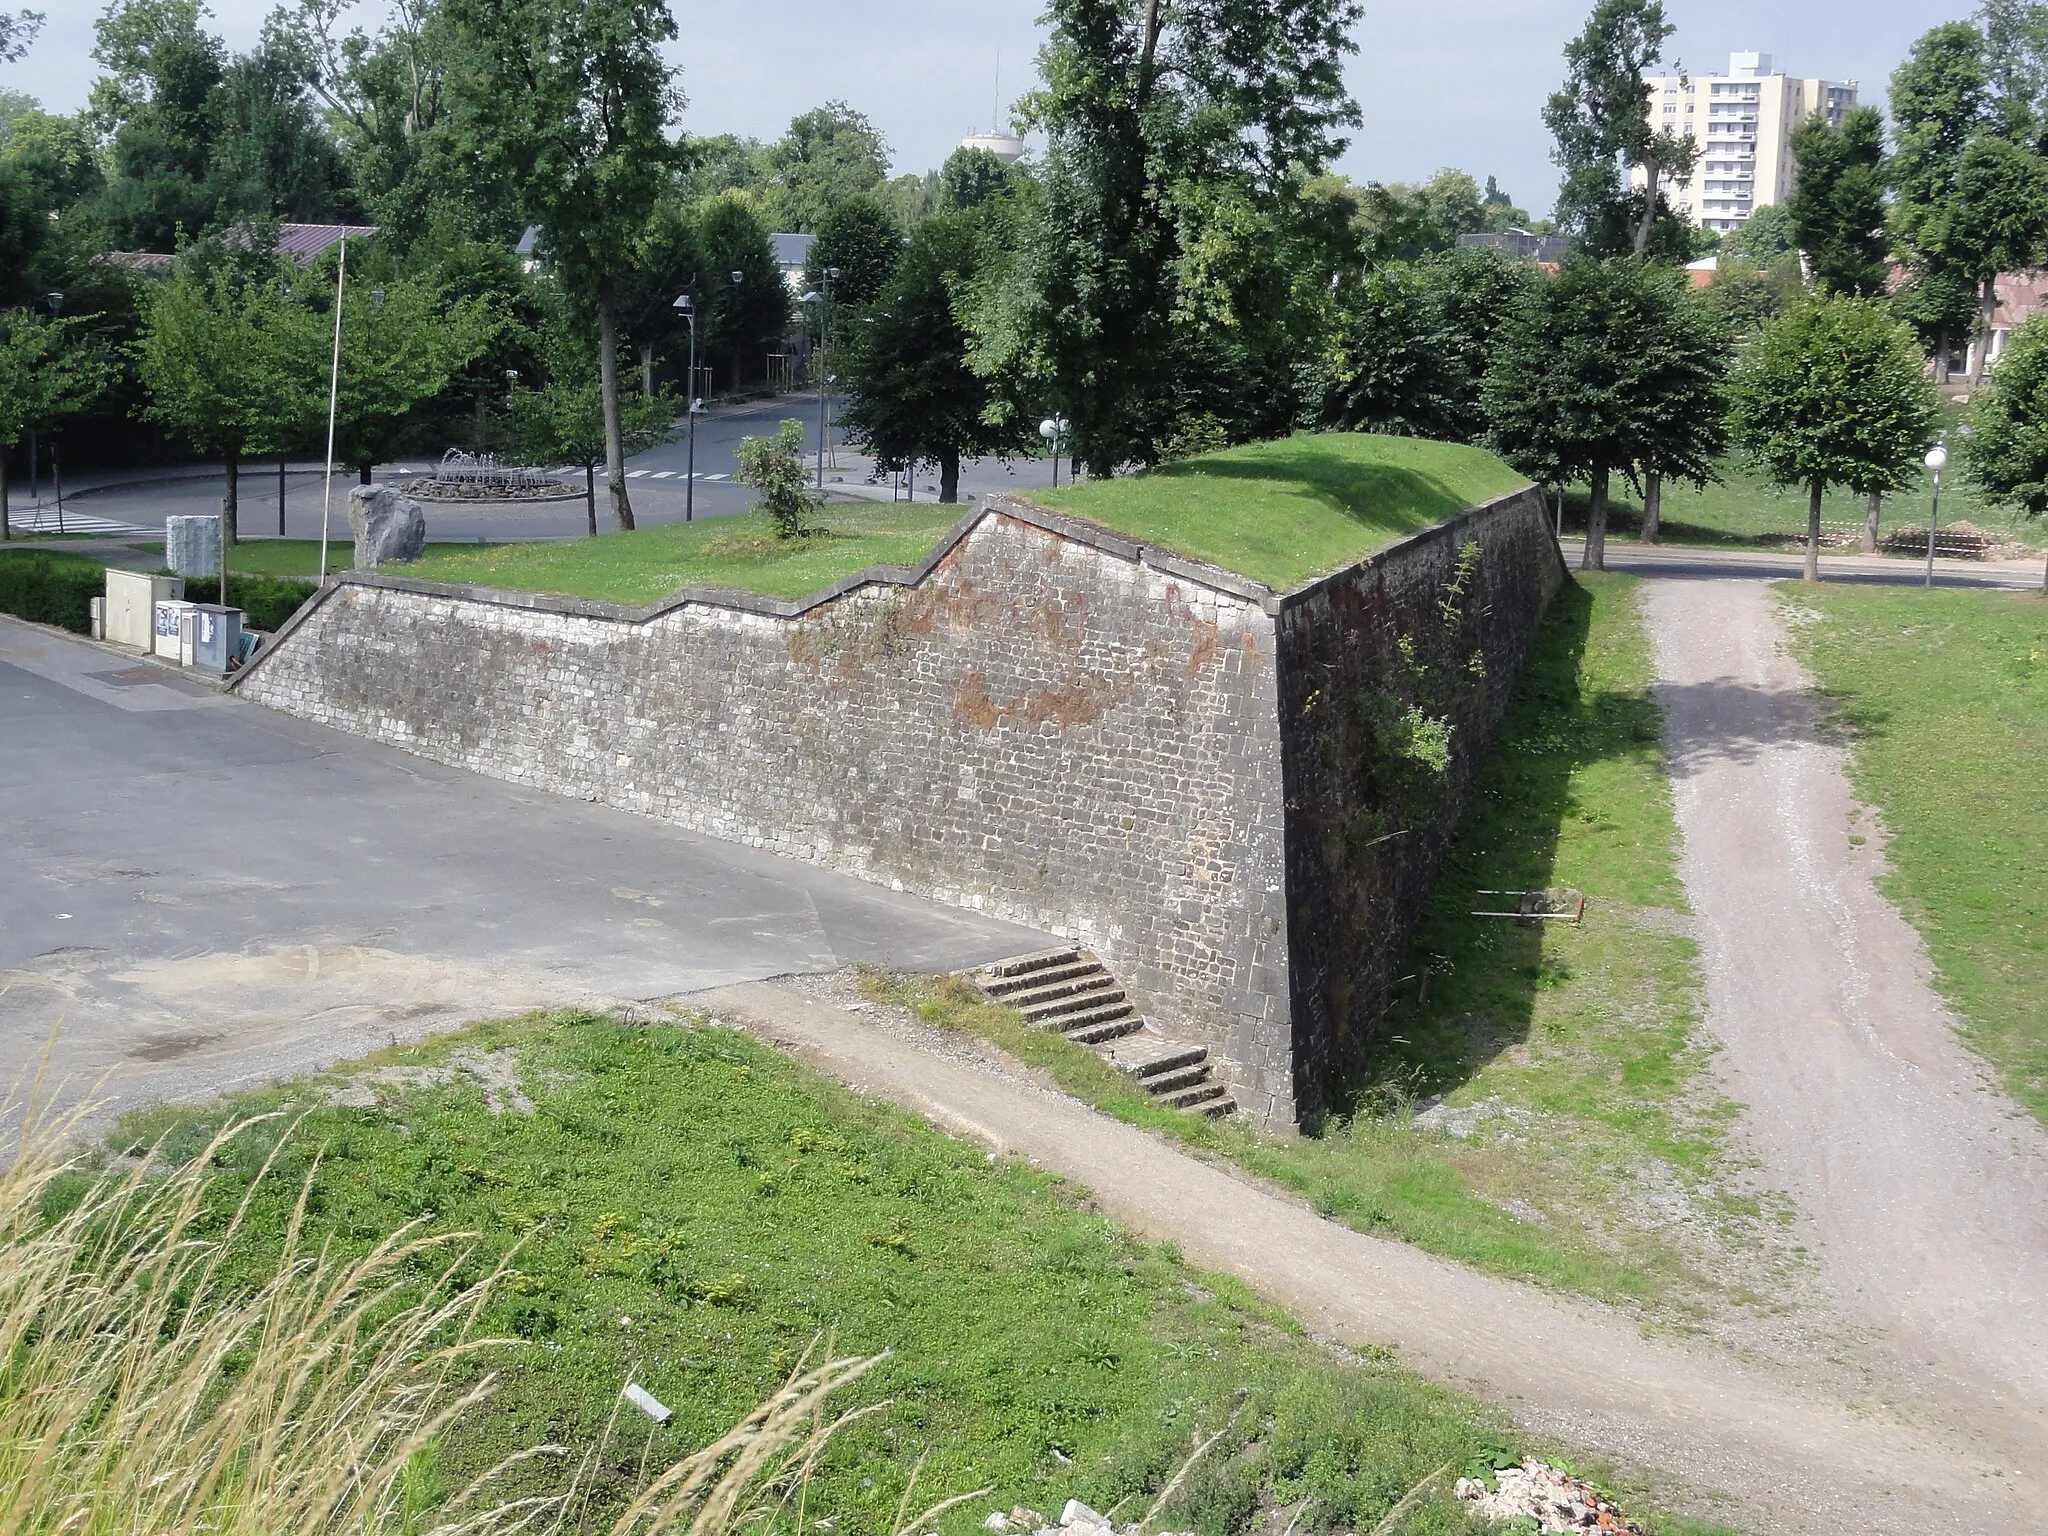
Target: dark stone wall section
point(1045, 722)
point(1366, 657)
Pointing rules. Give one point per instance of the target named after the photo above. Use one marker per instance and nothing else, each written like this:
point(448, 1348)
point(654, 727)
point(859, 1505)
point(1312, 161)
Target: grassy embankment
point(1279, 513)
point(688, 1209)
point(1285, 512)
point(1567, 1056)
point(1943, 697)
point(1744, 511)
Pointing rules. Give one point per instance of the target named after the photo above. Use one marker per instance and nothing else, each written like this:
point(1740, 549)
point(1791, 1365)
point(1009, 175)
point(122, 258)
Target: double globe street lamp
point(1054, 430)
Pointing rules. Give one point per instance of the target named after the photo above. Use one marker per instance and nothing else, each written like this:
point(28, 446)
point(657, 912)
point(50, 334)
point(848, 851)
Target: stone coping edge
point(1003, 505)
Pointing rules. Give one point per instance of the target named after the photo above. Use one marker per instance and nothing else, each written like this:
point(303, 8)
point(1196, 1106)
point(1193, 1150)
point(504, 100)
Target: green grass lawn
point(1285, 512)
point(1944, 698)
point(741, 552)
point(1571, 1052)
point(691, 1210)
point(1744, 510)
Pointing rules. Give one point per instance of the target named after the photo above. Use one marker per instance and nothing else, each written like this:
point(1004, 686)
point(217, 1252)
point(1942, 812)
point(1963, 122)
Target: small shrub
point(266, 601)
point(774, 466)
point(47, 588)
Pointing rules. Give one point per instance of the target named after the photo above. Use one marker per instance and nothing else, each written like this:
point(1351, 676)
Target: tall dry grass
point(143, 1390)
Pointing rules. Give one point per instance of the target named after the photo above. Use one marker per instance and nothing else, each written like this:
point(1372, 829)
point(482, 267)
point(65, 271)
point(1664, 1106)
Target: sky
point(1441, 83)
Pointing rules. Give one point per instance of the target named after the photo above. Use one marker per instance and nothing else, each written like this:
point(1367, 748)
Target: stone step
point(1168, 1061)
point(1022, 964)
point(1051, 975)
point(1035, 995)
point(1193, 1098)
point(1165, 1083)
point(1104, 1030)
point(1102, 1015)
point(1075, 1002)
point(1216, 1109)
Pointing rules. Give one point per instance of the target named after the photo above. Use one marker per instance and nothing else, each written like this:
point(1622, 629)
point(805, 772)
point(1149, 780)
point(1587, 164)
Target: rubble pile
point(1077, 1519)
point(1553, 1499)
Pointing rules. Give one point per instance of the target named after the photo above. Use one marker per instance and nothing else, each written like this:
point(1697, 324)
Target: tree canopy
point(2006, 453)
point(1837, 207)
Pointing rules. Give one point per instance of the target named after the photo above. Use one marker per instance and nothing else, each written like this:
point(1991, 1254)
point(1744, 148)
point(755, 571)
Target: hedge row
point(266, 601)
point(48, 588)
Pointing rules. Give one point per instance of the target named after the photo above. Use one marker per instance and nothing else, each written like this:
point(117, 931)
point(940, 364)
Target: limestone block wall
point(1044, 723)
point(1383, 668)
point(1179, 768)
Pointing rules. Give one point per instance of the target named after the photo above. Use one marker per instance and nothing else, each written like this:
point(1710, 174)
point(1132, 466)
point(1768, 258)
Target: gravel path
point(1920, 1188)
point(1768, 1448)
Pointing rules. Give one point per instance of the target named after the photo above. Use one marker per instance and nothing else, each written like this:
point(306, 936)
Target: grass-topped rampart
point(1287, 511)
point(1279, 513)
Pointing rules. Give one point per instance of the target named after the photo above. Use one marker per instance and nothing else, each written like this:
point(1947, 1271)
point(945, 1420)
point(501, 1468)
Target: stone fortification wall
point(1238, 799)
point(1393, 679)
point(1045, 723)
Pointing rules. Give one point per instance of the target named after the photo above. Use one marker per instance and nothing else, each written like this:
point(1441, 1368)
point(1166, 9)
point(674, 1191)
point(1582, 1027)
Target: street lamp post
point(688, 305)
point(56, 302)
point(1054, 429)
point(823, 303)
point(1937, 460)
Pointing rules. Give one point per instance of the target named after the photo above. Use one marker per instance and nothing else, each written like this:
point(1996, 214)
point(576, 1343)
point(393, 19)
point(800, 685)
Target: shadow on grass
point(1365, 492)
point(1485, 975)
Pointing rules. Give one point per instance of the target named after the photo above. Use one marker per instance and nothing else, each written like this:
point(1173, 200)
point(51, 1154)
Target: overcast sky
point(1441, 82)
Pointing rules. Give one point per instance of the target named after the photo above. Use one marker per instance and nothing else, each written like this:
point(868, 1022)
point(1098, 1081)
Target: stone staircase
point(1069, 990)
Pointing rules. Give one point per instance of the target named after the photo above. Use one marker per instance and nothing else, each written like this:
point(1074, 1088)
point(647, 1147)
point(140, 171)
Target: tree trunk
point(1594, 557)
point(1941, 359)
point(608, 385)
point(1648, 221)
point(231, 504)
point(1148, 51)
point(1872, 512)
point(1653, 505)
point(647, 372)
point(6, 525)
point(590, 495)
point(1987, 304)
point(949, 476)
point(1813, 531)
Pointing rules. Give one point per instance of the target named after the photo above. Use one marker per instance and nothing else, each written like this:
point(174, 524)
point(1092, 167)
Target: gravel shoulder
point(1769, 1449)
point(1918, 1186)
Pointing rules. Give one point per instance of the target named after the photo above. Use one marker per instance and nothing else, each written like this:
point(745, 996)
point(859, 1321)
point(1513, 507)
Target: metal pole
point(690, 393)
point(333, 396)
point(824, 387)
point(35, 481)
point(1933, 525)
point(57, 479)
point(280, 495)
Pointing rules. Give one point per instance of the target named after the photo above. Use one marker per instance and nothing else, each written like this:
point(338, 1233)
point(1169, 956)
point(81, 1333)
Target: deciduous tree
point(1600, 120)
point(2006, 454)
point(829, 154)
point(45, 376)
point(774, 466)
point(747, 317)
point(913, 399)
point(1837, 207)
point(562, 422)
point(1608, 366)
point(1940, 102)
point(861, 239)
point(1832, 393)
point(570, 104)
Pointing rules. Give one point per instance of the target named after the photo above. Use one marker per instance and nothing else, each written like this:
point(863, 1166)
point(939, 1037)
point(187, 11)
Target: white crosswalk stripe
point(45, 520)
point(635, 474)
point(663, 474)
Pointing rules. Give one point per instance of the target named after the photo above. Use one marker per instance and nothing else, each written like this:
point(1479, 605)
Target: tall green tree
point(231, 363)
point(1940, 103)
point(2006, 454)
point(1997, 223)
point(972, 177)
point(1832, 393)
point(1838, 205)
point(861, 239)
point(45, 376)
point(2016, 56)
point(1179, 143)
point(744, 308)
point(912, 397)
point(403, 343)
point(569, 103)
point(829, 154)
point(668, 259)
point(1610, 367)
point(1600, 122)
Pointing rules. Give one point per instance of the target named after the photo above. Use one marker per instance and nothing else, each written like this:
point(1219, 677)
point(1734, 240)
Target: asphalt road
point(658, 481)
point(202, 894)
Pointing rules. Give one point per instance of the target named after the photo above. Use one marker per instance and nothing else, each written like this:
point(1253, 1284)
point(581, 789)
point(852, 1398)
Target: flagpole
point(333, 396)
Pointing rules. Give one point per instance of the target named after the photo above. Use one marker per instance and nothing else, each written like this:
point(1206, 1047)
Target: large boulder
point(389, 526)
point(192, 546)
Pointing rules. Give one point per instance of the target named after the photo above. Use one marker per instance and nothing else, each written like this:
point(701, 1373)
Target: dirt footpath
point(1921, 1189)
point(1786, 1456)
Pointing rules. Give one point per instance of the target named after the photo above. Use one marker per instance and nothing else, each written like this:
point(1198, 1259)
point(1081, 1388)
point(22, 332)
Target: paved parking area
point(200, 894)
